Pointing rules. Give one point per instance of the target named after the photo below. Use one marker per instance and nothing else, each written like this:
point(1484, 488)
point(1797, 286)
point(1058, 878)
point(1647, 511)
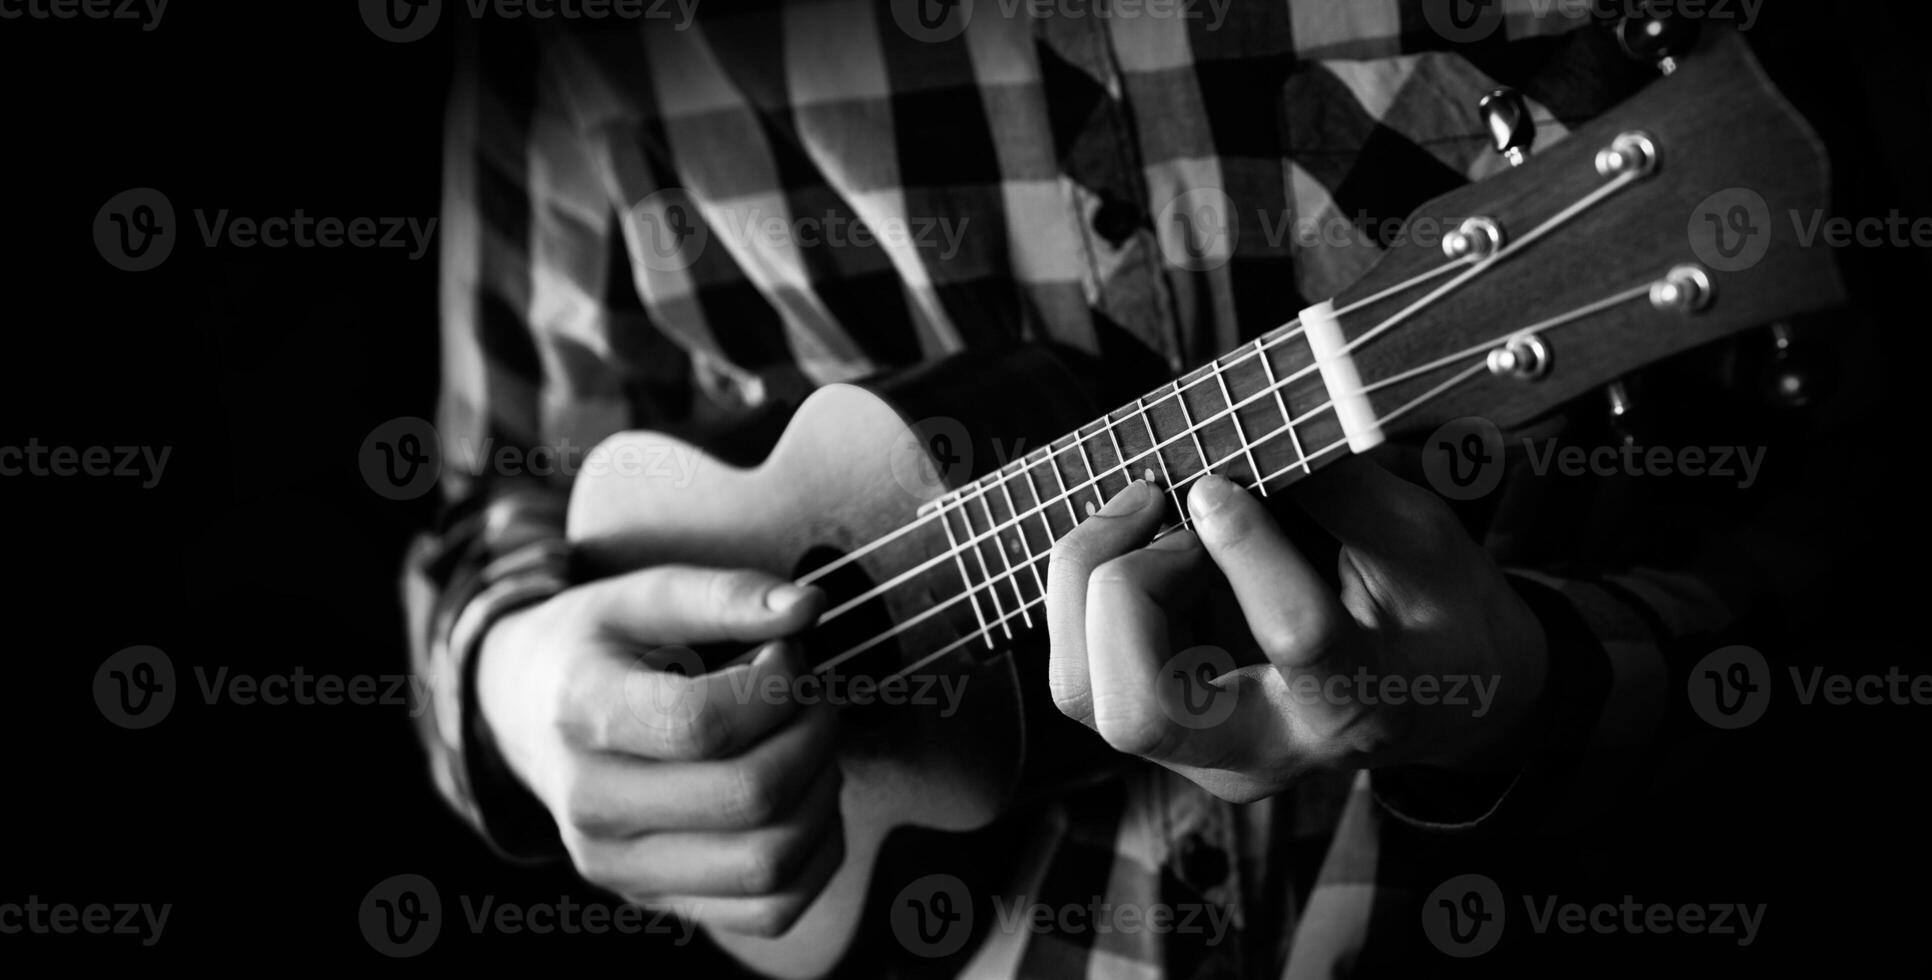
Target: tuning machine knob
point(1656, 35)
point(1511, 128)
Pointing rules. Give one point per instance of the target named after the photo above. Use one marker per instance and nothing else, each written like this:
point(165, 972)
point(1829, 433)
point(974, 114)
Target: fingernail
point(1210, 494)
point(786, 596)
point(1129, 500)
point(1180, 539)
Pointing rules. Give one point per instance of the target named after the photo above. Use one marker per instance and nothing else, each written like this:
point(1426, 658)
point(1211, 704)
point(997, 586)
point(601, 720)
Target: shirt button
point(1200, 864)
point(1116, 221)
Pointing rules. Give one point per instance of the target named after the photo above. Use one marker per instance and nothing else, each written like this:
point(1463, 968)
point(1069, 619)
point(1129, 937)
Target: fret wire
point(1020, 530)
point(964, 579)
point(1040, 507)
point(1120, 453)
point(1012, 581)
point(1227, 398)
point(1053, 464)
point(1092, 476)
point(1154, 440)
point(1342, 444)
point(1188, 418)
point(979, 556)
point(1286, 419)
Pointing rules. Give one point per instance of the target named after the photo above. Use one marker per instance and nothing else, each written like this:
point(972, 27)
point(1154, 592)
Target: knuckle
point(584, 811)
point(700, 735)
point(1308, 640)
point(762, 870)
point(1115, 572)
point(754, 798)
point(730, 594)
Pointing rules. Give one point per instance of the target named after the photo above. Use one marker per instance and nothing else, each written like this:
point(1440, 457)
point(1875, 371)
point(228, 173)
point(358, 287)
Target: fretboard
point(1258, 415)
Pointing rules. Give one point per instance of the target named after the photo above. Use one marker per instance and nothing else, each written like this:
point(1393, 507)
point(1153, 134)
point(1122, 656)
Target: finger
point(1293, 614)
point(685, 604)
point(1125, 523)
point(764, 861)
point(766, 915)
point(1130, 656)
point(661, 706)
point(614, 796)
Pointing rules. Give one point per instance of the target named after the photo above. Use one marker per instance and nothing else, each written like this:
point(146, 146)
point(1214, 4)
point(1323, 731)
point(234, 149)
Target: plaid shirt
point(609, 263)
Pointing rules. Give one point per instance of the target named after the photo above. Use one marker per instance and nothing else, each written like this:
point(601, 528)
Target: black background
point(263, 550)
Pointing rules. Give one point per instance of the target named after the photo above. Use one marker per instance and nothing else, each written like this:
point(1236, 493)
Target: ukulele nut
point(1524, 358)
point(1630, 153)
point(1476, 238)
point(1686, 289)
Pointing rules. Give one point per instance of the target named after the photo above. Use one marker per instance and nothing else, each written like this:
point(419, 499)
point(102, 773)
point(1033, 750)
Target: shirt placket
point(1100, 172)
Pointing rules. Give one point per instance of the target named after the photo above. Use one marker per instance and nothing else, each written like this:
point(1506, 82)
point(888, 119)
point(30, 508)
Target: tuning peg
point(1622, 412)
point(1511, 128)
point(1792, 377)
point(1656, 35)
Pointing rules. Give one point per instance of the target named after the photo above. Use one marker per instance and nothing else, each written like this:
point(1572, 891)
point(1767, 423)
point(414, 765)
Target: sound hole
point(857, 626)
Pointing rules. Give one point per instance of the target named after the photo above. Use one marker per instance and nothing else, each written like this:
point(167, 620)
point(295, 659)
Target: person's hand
point(1426, 655)
point(698, 793)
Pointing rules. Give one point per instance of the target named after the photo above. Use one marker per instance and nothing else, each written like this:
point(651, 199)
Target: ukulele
point(1606, 252)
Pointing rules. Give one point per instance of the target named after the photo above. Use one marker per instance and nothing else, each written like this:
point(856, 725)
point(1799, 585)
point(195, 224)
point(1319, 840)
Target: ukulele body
point(947, 750)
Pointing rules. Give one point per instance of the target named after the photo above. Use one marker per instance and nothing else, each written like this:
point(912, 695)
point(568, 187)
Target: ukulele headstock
point(1664, 225)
